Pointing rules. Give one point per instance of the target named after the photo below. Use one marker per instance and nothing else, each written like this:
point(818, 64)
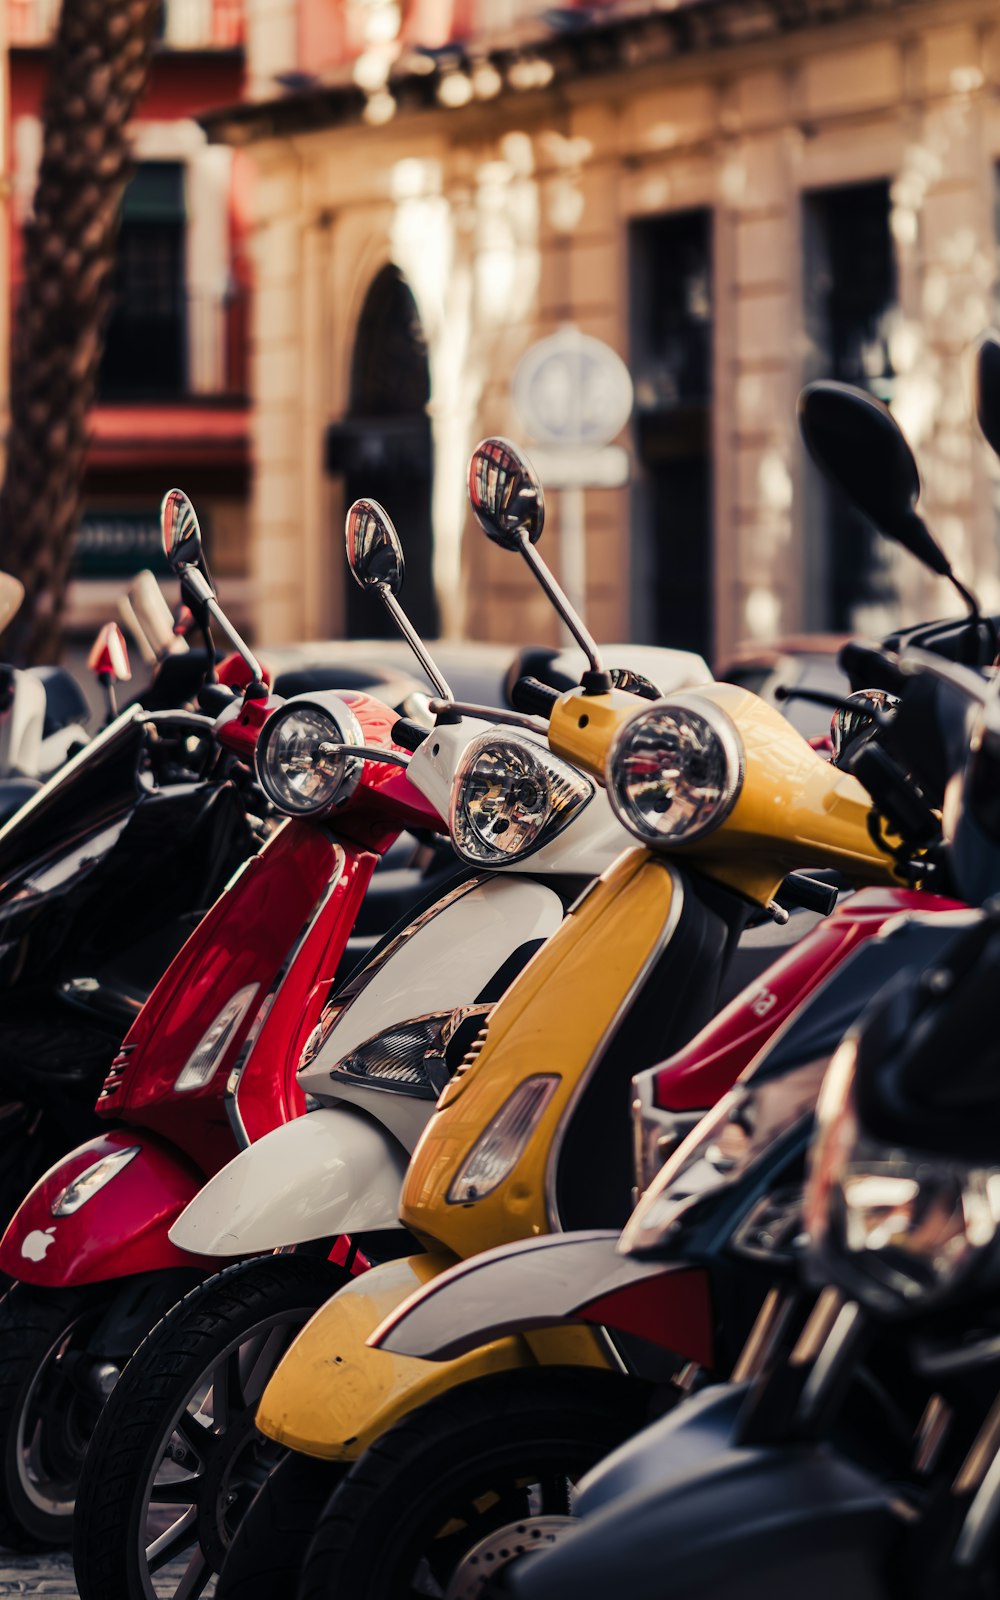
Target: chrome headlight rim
point(724, 730)
point(344, 728)
point(579, 792)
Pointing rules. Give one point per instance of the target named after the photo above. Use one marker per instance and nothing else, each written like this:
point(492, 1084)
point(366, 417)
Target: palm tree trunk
point(99, 67)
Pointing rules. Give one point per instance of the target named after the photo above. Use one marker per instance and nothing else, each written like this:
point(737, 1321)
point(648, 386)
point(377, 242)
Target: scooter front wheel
point(265, 1558)
point(48, 1409)
point(175, 1459)
point(466, 1483)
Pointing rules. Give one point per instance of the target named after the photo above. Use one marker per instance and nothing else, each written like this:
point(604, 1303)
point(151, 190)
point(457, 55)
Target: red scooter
point(207, 1067)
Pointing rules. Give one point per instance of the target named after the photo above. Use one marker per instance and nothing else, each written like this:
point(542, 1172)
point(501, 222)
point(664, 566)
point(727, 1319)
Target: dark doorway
point(145, 353)
point(384, 451)
point(850, 295)
point(671, 284)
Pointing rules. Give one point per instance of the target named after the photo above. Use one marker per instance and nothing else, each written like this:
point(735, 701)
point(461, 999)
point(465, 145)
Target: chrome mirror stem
point(552, 589)
point(416, 644)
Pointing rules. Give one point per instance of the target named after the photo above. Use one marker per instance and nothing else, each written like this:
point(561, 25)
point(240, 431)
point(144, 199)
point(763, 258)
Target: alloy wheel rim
point(35, 1442)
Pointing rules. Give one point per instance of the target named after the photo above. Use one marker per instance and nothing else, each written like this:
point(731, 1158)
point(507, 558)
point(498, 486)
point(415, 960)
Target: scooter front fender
point(332, 1171)
point(569, 1277)
point(752, 1524)
point(332, 1395)
point(120, 1230)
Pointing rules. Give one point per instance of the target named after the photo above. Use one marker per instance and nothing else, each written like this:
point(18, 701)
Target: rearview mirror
point(854, 439)
point(505, 493)
point(152, 616)
point(180, 530)
point(109, 655)
point(374, 553)
point(988, 391)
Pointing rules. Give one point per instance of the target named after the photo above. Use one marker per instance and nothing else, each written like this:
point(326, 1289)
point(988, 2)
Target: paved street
point(49, 1575)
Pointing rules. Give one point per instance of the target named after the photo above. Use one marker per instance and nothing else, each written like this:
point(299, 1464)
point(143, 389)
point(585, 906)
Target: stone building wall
point(509, 217)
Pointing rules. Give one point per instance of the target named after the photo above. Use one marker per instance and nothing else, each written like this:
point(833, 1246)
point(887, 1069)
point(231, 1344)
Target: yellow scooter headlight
point(674, 770)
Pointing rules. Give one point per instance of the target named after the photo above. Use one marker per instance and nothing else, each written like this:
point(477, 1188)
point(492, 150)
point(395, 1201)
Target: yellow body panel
point(552, 1021)
point(332, 1395)
point(794, 809)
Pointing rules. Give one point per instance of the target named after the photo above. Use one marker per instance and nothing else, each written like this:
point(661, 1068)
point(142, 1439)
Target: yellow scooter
point(532, 1135)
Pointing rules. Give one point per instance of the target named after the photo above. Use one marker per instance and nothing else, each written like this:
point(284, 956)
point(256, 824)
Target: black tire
point(268, 1549)
point(246, 1315)
point(491, 1459)
point(46, 1413)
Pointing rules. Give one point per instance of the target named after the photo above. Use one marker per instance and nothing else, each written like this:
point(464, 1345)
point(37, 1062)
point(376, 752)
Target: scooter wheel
point(47, 1411)
point(265, 1557)
point(467, 1482)
point(175, 1460)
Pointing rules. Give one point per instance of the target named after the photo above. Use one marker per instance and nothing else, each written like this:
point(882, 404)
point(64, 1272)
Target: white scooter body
point(319, 1177)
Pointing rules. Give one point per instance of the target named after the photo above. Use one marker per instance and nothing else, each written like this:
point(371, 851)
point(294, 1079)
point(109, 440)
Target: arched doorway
point(383, 447)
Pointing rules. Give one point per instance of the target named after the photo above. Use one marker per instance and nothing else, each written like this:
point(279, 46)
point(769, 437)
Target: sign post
point(574, 395)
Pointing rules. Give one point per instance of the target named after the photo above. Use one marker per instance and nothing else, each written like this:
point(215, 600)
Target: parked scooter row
point(467, 1091)
point(530, 1135)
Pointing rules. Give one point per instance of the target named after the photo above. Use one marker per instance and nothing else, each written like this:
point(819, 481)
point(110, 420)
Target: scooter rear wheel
point(175, 1459)
point(442, 1499)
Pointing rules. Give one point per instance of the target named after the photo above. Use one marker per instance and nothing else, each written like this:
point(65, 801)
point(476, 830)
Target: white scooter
point(42, 716)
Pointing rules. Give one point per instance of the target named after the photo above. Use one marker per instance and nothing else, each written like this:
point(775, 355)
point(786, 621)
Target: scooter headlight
point(87, 1183)
point(301, 768)
point(203, 1062)
point(674, 770)
point(898, 1229)
point(510, 797)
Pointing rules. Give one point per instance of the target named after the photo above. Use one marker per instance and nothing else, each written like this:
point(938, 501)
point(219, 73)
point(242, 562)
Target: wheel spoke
point(226, 1400)
point(179, 1536)
point(257, 1364)
point(177, 1491)
point(196, 1576)
point(195, 1435)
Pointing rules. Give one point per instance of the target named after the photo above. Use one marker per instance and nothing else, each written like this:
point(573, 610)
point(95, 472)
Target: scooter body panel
point(447, 962)
point(573, 1277)
point(331, 1172)
point(119, 1231)
point(332, 1395)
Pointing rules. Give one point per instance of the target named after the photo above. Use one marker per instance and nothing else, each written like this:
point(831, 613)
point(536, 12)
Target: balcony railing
point(181, 347)
point(186, 25)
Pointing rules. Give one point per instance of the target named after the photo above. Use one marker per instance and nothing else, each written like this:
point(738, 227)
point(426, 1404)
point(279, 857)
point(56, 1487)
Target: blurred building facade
point(173, 401)
point(737, 195)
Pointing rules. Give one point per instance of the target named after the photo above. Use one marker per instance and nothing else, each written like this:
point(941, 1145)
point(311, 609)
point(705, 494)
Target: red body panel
point(281, 925)
point(706, 1069)
point(121, 1230)
point(673, 1309)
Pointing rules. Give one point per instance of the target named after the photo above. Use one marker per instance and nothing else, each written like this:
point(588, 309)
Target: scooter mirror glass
point(180, 530)
point(854, 439)
point(11, 595)
point(374, 553)
point(505, 494)
point(988, 390)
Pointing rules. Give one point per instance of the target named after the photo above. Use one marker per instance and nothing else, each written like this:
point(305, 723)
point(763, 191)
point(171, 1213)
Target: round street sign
point(570, 389)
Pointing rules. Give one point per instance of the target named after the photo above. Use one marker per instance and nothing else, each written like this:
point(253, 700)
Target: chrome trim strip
point(263, 1010)
point(666, 934)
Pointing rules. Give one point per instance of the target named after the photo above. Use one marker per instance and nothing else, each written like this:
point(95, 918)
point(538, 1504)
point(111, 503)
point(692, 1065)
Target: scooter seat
point(65, 702)
point(13, 793)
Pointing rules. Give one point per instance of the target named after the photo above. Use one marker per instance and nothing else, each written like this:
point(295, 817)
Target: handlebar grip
point(808, 894)
point(535, 699)
point(408, 734)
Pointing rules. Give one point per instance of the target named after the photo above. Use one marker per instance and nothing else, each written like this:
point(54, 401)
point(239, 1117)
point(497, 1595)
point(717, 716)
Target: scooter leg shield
point(130, 1188)
point(752, 1524)
point(332, 1394)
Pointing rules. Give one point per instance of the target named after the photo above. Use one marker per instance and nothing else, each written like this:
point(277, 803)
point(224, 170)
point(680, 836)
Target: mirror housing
point(109, 654)
point(505, 494)
point(180, 532)
point(858, 445)
point(374, 551)
point(987, 390)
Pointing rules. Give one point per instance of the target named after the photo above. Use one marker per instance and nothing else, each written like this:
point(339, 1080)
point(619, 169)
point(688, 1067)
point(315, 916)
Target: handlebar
point(534, 698)
point(408, 734)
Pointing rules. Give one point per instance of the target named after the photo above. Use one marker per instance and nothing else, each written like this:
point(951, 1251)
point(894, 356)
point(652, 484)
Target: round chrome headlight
point(299, 765)
point(674, 770)
point(510, 797)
